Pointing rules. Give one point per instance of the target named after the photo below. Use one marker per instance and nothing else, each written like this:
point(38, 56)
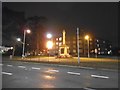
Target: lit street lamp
point(18, 39)
point(87, 38)
point(49, 36)
point(25, 31)
point(49, 44)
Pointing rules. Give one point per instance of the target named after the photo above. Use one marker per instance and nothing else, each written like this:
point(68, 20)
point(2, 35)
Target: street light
point(49, 43)
point(49, 36)
point(25, 31)
point(87, 38)
point(18, 39)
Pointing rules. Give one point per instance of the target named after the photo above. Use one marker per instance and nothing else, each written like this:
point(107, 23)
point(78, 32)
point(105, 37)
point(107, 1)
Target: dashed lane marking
point(6, 73)
point(88, 89)
point(35, 68)
point(97, 76)
point(9, 65)
point(53, 71)
point(73, 73)
point(21, 67)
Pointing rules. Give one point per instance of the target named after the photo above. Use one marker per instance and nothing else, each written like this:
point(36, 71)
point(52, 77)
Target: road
point(17, 74)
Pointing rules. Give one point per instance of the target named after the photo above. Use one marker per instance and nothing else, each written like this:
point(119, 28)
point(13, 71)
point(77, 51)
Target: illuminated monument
point(64, 49)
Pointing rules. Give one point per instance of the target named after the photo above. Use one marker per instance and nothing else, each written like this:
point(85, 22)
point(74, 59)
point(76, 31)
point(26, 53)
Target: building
point(103, 47)
point(96, 46)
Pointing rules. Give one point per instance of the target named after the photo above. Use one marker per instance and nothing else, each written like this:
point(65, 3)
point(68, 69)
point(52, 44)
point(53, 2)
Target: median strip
point(35, 68)
point(73, 73)
point(6, 73)
point(97, 76)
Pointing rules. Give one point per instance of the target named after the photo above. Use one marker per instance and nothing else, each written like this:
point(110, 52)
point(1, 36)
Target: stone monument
point(64, 49)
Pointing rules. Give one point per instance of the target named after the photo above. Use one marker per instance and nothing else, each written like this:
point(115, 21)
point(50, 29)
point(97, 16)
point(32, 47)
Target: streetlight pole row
point(23, 52)
point(78, 45)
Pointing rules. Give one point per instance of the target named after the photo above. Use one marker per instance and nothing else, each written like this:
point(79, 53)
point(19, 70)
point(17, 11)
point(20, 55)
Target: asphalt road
point(17, 74)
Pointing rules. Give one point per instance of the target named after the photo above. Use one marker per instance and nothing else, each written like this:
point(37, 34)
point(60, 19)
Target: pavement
point(16, 74)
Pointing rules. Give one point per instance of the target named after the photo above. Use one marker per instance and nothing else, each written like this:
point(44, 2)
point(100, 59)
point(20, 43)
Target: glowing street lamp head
point(19, 39)
point(28, 31)
point(49, 44)
point(86, 37)
point(49, 35)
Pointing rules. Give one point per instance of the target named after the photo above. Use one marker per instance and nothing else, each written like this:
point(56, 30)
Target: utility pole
point(78, 45)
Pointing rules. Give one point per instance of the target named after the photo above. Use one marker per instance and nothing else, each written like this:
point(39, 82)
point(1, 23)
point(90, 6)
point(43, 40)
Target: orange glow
point(86, 37)
point(49, 77)
point(49, 44)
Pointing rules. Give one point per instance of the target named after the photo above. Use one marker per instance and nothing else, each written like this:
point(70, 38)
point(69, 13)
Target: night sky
point(101, 19)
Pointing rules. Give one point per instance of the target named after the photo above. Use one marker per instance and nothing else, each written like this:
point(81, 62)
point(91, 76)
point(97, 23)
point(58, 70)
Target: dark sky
point(101, 19)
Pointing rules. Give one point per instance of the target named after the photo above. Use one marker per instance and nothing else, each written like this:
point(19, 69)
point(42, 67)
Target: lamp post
point(49, 43)
point(87, 38)
point(23, 51)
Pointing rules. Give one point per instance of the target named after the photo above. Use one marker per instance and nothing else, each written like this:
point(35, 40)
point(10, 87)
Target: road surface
point(17, 74)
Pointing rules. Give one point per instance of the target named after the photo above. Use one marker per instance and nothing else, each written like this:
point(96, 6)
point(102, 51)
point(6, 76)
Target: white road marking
point(35, 68)
point(1, 64)
point(53, 71)
point(21, 67)
point(6, 73)
point(73, 73)
point(89, 89)
point(9, 65)
point(87, 67)
point(97, 76)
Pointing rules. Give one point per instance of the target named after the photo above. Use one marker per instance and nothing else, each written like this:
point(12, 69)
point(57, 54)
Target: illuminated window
point(98, 48)
point(56, 43)
point(60, 38)
point(98, 45)
point(56, 39)
point(74, 51)
point(90, 39)
point(98, 52)
point(60, 44)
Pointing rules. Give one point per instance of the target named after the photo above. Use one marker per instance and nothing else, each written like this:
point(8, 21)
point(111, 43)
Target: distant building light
point(56, 39)
point(102, 52)
point(60, 44)
point(60, 39)
point(109, 52)
point(98, 48)
point(98, 52)
point(98, 45)
point(56, 43)
point(103, 41)
point(90, 39)
point(74, 51)
point(11, 48)
point(2, 51)
point(110, 46)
